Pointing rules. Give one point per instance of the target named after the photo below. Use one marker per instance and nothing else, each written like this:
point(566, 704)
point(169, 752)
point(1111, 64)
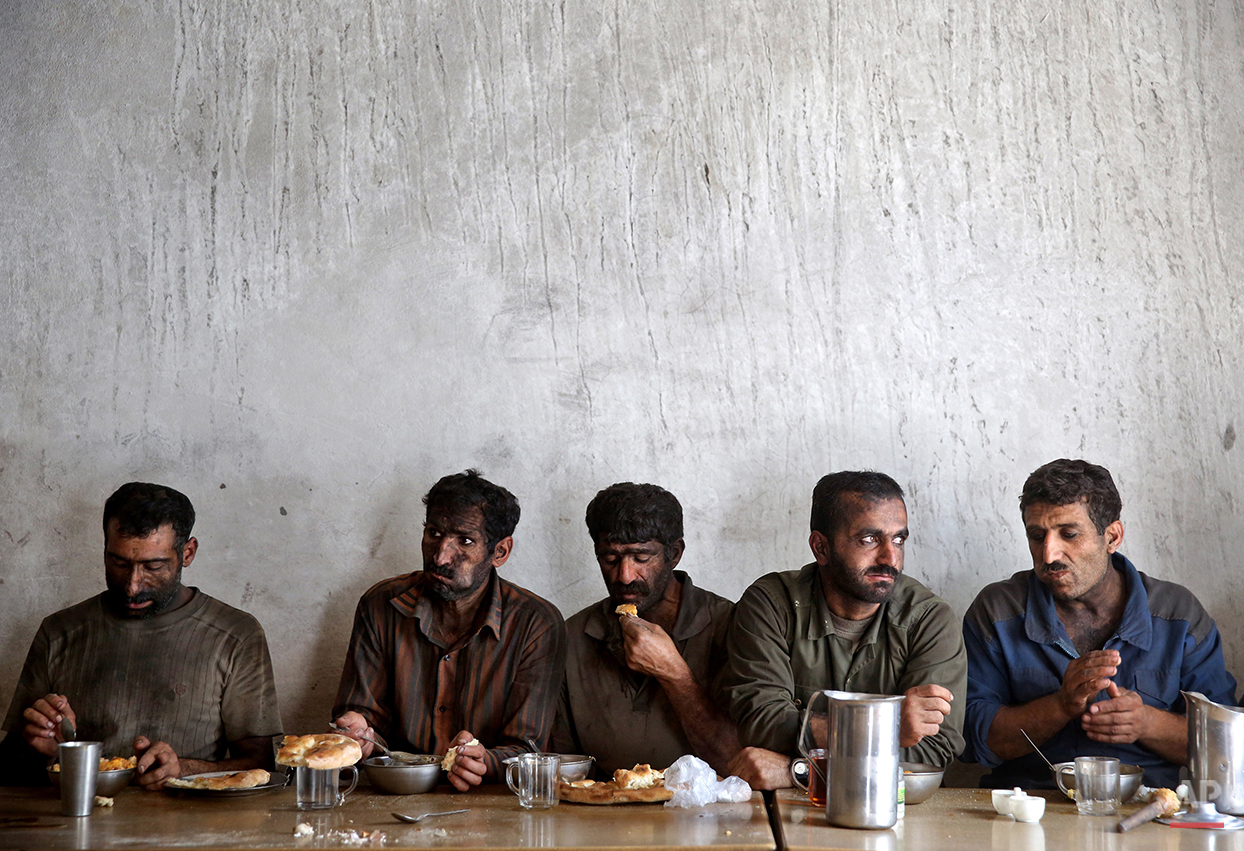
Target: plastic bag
point(695, 784)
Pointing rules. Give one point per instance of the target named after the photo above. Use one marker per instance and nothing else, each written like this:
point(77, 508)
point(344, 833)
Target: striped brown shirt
point(500, 682)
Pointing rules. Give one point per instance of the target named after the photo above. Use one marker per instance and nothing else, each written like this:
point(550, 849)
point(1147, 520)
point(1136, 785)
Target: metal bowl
point(922, 781)
point(108, 784)
point(574, 766)
point(403, 778)
point(1130, 777)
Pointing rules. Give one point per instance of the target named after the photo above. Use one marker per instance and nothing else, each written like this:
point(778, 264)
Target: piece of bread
point(235, 780)
point(627, 609)
point(451, 756)
point(607, 793)
point(321, 750)
point(640, 777)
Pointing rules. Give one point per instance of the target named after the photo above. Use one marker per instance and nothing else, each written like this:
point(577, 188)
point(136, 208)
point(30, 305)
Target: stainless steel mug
point(79, 772)
point(861, 746)
point(1216, 753)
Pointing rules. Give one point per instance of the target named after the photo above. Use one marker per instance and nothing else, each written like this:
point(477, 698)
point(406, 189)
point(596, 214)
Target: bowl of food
point(574, 766)
point(115, 773)
point(1130, 777)
point(922, 781)
point(408, 777)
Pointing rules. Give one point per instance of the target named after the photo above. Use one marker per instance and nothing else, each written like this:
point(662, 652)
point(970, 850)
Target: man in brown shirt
point(636, 686)
point(454, 652)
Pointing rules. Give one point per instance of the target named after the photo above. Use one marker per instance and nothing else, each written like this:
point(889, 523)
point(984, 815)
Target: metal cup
point(862, 752)
point(534, 777)
point(79, 772)
point(318, 788)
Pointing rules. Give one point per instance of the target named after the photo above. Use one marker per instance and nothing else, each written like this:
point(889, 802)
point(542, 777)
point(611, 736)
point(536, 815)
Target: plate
point(277, 781)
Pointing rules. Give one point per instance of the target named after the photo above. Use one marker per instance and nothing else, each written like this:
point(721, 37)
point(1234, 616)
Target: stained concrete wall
point(300, 260)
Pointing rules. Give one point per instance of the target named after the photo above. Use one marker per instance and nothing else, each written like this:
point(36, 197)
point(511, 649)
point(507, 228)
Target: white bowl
point(1001, 799)
point(1027, 807)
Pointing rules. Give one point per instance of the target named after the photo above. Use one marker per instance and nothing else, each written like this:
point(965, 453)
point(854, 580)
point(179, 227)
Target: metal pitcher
point(859, 733)
point(1216, 753)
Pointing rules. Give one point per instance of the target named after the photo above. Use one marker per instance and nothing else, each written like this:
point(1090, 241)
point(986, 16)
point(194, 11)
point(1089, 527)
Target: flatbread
point(642, 776)
point(236, 780)
point(321, 750)
point(604, 794)
point(451, 756)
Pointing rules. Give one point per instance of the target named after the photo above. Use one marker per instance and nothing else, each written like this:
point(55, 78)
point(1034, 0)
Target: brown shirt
point(499, 682)
point(622, 717)
point(198, 677)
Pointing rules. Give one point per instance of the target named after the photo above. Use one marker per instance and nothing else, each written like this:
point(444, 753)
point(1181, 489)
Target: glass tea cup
point(319, 788)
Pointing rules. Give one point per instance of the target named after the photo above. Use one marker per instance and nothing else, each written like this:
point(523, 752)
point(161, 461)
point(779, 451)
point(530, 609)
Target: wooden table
point(964, 820)
point(154, 821)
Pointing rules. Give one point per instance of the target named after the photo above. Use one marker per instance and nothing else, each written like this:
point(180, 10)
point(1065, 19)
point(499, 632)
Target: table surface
point(151, 821)
point(963, 819)
point(952, 820)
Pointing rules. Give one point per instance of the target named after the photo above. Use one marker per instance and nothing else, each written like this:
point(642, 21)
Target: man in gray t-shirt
point(150, 666)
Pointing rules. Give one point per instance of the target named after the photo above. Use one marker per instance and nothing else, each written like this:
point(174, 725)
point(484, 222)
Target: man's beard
point(162, 598)
point(853, 585)
point(644, 596)
point(446, 593)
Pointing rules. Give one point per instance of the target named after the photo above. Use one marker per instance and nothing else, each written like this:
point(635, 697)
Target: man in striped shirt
point(151, 666)
point(452, 654)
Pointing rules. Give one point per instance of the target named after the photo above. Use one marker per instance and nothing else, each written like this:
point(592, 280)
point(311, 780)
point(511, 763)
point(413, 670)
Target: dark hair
point(141, 508)
point(829, 509)
point(463, 491)
point(627, 513)
point(1065, 481)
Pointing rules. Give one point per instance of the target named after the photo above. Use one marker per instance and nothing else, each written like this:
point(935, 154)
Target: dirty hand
point(157, 763)
point(1085, 677)
point(924, 709)
point(761, 769)
point(650, 650)
point(469, 768)
point(1122, 719)
point(42, 730)
point(354, 725)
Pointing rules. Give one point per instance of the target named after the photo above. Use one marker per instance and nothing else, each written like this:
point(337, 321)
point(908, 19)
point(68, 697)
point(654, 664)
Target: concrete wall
point(300, 260)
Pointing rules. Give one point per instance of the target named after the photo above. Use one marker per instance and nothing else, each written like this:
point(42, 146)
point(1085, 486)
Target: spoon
point(67, 730)
point(417, 819)
point(1038, 750)
point(397, 756)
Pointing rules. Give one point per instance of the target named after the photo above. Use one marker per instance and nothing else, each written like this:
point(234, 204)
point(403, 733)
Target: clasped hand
point(924, 709)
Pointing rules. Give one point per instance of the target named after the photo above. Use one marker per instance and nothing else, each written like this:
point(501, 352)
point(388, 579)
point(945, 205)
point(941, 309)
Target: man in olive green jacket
point(849, 621)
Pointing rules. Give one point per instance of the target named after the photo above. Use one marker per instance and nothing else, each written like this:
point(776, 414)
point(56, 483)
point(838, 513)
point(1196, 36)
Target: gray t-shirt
point(198, 677)
point(850, 631)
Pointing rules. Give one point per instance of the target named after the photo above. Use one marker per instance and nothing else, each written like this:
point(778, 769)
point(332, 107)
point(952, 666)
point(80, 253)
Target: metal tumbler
point(79, 772)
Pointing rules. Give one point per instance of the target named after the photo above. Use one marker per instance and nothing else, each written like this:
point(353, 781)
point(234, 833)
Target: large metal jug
point(859, 733)
point(1216, 753)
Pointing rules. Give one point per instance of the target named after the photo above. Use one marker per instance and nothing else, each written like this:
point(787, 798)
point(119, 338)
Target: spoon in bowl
point(396, 756)
point(1038, 750)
